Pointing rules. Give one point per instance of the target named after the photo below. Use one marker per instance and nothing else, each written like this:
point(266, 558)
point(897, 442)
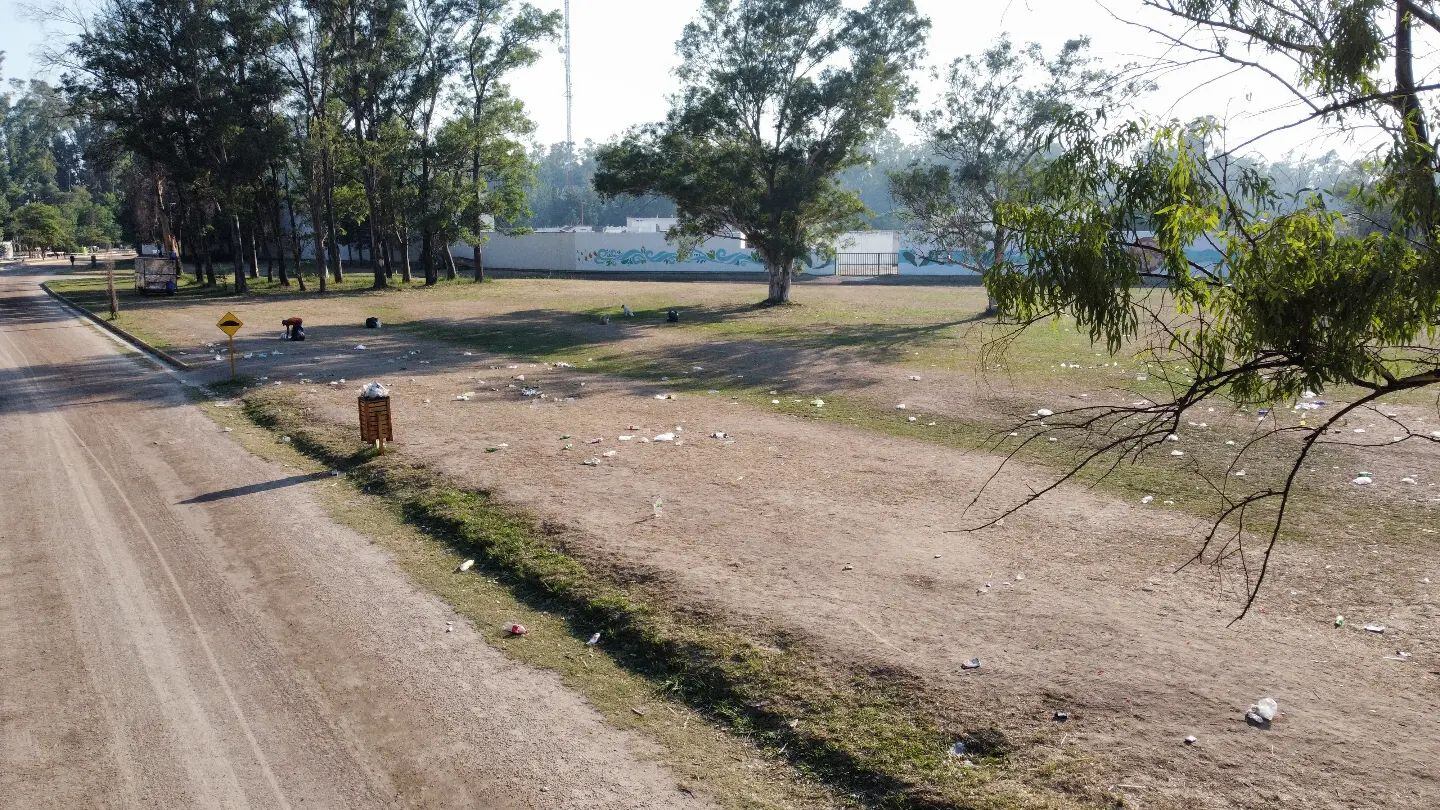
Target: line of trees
point(59, 187)
point(276, 128)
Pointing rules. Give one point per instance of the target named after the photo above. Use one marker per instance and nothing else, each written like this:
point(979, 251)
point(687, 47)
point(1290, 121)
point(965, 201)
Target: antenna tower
point(569, 89)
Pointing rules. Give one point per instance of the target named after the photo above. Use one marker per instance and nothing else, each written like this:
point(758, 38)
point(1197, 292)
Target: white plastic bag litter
point(374, 390)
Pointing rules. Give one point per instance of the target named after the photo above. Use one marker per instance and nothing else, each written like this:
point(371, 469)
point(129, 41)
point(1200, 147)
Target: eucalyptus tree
point(1300, 301)
point(375, 43)
point(437, 25)
point(498, 38)
point(777, 98)
point(991, 130)
point(307, 59)
point(187, 86)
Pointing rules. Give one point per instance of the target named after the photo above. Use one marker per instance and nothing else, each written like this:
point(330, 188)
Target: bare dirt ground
point(181, 625)
point(841, 536)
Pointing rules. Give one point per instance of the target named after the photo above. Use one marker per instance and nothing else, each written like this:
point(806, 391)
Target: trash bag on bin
point(374, 390)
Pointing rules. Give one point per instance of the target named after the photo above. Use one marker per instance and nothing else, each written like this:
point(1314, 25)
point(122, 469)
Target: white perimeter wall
point(611, 252)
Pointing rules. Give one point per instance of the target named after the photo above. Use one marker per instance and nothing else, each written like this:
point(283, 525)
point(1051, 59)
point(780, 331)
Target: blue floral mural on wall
point(642, 256)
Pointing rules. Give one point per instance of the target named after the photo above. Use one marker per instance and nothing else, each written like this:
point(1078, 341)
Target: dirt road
point(181, 625)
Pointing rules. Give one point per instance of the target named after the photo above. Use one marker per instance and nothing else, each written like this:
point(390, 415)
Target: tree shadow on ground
point(83, 382)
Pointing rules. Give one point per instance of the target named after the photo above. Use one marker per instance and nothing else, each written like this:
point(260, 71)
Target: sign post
point(229, 324)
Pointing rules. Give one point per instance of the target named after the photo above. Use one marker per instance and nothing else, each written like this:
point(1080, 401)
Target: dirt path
point(181, 625)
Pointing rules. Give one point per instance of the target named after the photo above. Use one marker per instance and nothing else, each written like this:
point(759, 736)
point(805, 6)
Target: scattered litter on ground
point(1061, 717)
point(914, 378)
point(1263, 712)
point(719, 434)
point(449, 627)
point(665, 437)
point(973, 663)
point(1362, 480)
point(465, 566)
point(360, 347)
point(819, 403)
point(610, 453)
point(517, 630)
point(591, 462)
point(1339, 621)
point(1191, 740)
point(529, 392)
point(902, 406)
point(496, 448)
point(594, 639)
point(1374, 627)
point(1407, 480)
point(664, 396)
point(1177, 452)
point(848, 567)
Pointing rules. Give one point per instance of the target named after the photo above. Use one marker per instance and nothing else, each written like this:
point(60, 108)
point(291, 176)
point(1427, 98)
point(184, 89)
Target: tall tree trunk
point(997, 261)
point(331, 231)
point(209, 258)
point(295, 242)
point(262, 243)
point(385, 250)
point(252, 258)
point(237, 255)
point(427, 256)
point(196, 243)
point(407, 274)
point(450, 271)
point(479, 224)
point(322, 270)
point(781, 274)
point(277, 227)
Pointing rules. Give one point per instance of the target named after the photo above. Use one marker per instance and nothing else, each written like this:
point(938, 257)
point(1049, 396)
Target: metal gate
point(867, 264)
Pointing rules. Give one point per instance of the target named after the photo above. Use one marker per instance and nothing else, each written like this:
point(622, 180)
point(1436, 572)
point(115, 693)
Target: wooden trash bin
point(375, 422)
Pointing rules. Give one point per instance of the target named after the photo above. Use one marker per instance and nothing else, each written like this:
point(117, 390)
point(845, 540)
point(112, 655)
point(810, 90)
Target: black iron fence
point(867, 264)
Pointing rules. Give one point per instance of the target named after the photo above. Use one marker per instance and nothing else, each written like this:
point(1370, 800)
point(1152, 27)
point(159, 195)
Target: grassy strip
point(868, 733)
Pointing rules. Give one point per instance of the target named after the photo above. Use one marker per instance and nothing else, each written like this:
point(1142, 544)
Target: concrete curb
point(137, 343)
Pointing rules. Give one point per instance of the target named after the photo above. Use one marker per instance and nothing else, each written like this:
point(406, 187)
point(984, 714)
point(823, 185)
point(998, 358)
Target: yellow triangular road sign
point(229, 324)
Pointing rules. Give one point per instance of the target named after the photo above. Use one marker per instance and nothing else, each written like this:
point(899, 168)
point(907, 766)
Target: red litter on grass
point(517, 630)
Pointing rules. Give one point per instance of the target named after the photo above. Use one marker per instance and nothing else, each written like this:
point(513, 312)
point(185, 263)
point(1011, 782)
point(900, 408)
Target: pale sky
point(624, 52)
